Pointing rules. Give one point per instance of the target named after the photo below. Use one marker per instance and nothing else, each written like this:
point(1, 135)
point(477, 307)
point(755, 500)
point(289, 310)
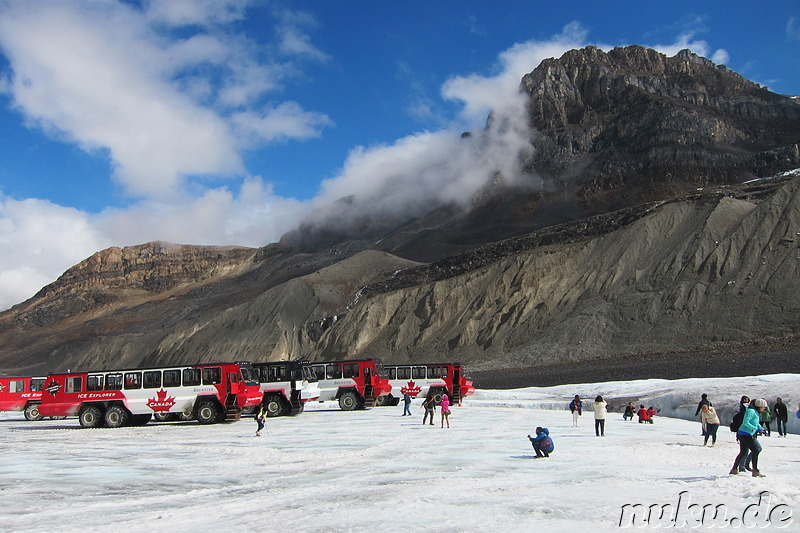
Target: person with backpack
point(430, 408)
point(542, 443)
point(781, 416)
point(576, 406)
point(736, 421)
point(747, 440)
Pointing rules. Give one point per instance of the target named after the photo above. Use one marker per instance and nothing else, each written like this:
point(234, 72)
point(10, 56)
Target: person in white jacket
point(600, 416)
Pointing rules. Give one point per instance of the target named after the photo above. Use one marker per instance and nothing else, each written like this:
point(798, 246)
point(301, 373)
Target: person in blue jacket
point(751, 424)
point(542, 442)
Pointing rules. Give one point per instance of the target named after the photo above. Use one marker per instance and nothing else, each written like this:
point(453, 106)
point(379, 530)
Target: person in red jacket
point(651, 412)
point(644, 416)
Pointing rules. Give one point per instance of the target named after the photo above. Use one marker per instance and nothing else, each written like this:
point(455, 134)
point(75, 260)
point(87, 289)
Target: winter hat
point(761, 402)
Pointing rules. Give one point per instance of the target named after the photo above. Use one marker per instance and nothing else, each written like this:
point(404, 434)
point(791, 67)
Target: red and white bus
point(422, 380)
point(21, 394)
point(355, 384)
point(286, 386)
point(208, 393)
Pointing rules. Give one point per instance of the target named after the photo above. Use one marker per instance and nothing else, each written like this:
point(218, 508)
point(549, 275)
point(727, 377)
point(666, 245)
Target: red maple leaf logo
point(161, 402)
point(411, 388)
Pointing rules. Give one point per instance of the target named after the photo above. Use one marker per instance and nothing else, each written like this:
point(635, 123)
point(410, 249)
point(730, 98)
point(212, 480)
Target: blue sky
point(227, 122)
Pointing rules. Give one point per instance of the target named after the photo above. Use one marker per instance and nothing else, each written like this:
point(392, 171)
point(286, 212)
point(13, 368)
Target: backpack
point(546, 445)
point(736, 423)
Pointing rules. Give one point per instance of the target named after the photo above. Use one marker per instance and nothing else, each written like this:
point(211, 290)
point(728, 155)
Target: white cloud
point(38, 241)
point(200, 12)
point(107, 76)
point(288, 120)
point(687, 41)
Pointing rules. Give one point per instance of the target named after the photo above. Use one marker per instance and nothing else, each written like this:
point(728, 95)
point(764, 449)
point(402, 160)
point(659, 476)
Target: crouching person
point(542, 443)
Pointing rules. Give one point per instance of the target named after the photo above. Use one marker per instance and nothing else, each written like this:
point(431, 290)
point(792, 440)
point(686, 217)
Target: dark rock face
point(633, 124)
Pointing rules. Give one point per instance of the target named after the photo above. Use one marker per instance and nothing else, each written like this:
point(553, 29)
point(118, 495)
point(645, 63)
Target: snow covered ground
point(373, 470)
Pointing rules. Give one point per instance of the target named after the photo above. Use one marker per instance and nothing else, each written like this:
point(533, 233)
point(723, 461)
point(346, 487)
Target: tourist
point(747, 436)
point(710, 420)
point(542, 443)
point(781, 416)
point(445, 407)
point(575, 406)
point(600, 411)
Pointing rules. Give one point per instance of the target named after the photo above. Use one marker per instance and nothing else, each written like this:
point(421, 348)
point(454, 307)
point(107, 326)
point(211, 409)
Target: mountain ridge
point(640, 239)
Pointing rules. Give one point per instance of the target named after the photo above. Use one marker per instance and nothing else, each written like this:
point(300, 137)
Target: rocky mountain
point(661, 239)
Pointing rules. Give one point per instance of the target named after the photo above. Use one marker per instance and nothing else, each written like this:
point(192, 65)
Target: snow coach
point(422, 380)
point(208, 393)
point(355, 384)
point(22, 394)
point(285, 386)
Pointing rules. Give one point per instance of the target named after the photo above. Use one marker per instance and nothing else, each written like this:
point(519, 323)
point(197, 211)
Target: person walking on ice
point(260, 419)
point(406, 404)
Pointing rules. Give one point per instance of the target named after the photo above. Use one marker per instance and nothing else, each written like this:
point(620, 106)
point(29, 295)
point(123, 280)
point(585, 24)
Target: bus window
point(172, 378)
point(133, 380)
point(333, 372)
point(37, 385)
point(94, 383)
point(212, 375)
point(248, 374)
point(16, 385)
point(404, 372)
point(191, 377)
point(114, 382)
point(277, 373)
point(309, 374)
point(434, 372)
point(319, 371)
point(418, 372)
point(350, 370)
point(391, 373)
point(152, 379)
point(75, 384)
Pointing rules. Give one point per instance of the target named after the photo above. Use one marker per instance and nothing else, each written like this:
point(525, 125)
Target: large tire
point(32, 412)
point(117, 417)
point(388, 400)
point(91, 417)
point(277, 406)
point(437, 394)
point(208, 412)
point(163, 416)
point(349, 401)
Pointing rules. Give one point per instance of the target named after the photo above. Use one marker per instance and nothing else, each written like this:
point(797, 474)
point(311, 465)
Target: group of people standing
point(430, 408)
point(752, 419)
